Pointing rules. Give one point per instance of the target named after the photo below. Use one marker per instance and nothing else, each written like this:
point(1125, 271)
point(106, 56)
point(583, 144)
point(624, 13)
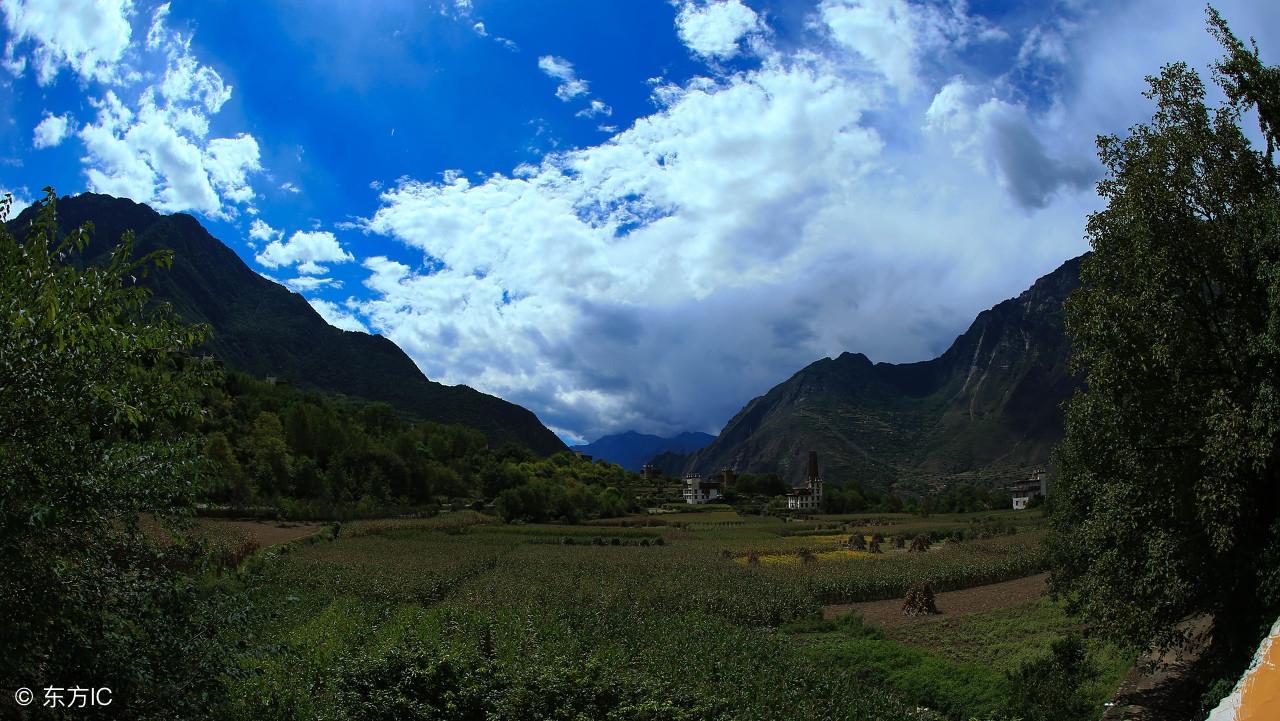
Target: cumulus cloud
point(570, 85)
point(52, 130)
point(149, 140)
point(714, 29)
point(893, 37)
point(999, 136)
point(260, 231)
point(336, 316)
point(306, 249)
point(88, 37)
point(659, 279)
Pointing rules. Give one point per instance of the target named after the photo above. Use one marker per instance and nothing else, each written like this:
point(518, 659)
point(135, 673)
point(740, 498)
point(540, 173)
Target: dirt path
point(264, 533)
point(950, 603)
point(1162, 687)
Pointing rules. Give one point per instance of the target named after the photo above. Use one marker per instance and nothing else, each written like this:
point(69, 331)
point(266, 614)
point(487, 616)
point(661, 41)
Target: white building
point(696, 490)
point(809, 496)
point(1024, 491)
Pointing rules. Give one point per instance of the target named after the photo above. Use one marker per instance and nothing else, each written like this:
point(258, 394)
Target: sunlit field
point(674, 613)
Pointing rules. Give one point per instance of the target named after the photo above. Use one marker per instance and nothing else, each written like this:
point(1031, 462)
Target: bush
point(1053, 688)
point(413, 681)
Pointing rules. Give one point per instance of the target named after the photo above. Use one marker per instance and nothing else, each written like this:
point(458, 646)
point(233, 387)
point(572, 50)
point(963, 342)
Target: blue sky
point(623, 215)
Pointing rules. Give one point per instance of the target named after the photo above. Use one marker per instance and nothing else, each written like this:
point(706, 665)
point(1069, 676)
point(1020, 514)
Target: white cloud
point(306, 249)
point(149, 140)
point(661, 278)
point(596, 108)
point(571, 86)
point(89, 37)
point(19, 201)
point(52, 130)
point(307, 283)
point(893, 36)
point(159, 152)
point(336, 316)
point(291, 188)
point(714, 29)
point(260, 231)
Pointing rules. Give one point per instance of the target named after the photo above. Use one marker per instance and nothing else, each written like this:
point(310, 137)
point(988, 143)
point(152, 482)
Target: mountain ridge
point(264, 329)
point(987, 409)
point(632, 450)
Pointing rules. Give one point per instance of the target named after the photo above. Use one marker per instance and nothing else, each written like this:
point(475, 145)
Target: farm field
point(606, 621)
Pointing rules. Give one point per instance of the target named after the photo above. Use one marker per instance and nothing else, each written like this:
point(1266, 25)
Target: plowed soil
point(950, 603)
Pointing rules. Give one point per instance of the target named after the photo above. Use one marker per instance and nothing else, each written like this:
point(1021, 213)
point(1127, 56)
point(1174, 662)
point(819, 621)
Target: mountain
point(262, 328)
point(988, 409)
point(632, 450)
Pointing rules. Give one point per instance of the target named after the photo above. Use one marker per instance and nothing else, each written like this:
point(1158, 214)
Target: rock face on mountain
point(988, 409)
point(262, 328)
point(632, 450)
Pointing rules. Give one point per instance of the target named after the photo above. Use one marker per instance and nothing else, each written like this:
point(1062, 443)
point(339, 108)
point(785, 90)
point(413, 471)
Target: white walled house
point(697, 490)
point(807, 497)
point(1023, 491)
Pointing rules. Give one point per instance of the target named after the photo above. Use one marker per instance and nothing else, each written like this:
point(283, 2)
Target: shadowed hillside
point(263, 329)
point(986, 409)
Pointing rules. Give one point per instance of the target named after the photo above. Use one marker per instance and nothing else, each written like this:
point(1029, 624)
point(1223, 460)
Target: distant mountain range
point(263, 329)
point(632, 450)
point(988, 409)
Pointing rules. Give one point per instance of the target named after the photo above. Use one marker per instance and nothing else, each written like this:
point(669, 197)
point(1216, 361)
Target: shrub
point(1052, 688)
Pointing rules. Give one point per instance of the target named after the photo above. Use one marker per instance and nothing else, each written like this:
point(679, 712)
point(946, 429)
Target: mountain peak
point(264, 329)
point(988, 407)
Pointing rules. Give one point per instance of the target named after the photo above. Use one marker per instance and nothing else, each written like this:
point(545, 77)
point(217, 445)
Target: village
point(807, 496)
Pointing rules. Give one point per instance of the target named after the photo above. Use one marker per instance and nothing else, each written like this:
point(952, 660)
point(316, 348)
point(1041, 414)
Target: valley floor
point(680, 618)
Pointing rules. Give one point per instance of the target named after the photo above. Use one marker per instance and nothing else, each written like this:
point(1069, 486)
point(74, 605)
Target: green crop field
point(668, 622)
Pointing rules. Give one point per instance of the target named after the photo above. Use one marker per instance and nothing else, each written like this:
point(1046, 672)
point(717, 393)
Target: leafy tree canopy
point(97, 399)
point(1168, 499)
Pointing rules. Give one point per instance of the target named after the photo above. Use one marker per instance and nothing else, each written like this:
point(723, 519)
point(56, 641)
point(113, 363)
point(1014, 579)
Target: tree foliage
point(97, 400)
point(1169, 493)
point(314, 455)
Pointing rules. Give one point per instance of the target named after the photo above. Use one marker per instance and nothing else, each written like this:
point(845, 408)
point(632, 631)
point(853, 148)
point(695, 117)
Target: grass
point(1004, 640)
point(959, 665)
point(688, 621)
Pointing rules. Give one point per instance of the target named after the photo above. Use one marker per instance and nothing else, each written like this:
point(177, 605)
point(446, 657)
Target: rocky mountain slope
point(988, 409)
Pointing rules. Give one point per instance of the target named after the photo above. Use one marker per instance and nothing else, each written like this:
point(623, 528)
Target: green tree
point(1169, 493)
point(96, 395)
point(268, 455)
point(228, 482)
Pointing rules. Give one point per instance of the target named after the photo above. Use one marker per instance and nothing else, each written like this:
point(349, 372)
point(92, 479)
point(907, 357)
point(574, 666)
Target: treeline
point(853, 498)
point(312, 455)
